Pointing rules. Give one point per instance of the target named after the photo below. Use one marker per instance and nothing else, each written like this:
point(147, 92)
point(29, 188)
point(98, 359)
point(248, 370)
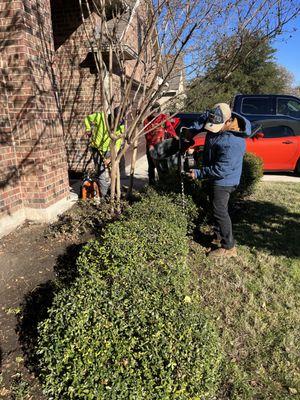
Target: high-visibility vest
point(100, 137)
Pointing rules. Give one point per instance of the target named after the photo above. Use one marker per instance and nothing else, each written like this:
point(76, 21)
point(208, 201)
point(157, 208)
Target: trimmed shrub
point(251, 175)
point(130, 327)
point(185, 205)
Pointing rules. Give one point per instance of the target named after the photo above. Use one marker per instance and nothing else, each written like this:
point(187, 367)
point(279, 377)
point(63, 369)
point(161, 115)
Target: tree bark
point(132, 166)
point(118, 190)
point(113, 175)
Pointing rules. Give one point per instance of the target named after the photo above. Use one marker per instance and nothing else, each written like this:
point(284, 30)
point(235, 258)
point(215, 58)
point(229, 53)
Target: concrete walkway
point(140, 178)
point(141, 174)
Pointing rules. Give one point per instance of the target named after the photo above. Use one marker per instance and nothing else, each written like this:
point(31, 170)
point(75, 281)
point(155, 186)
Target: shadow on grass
point(37, 303)
point(267, 226)
point(259, 224)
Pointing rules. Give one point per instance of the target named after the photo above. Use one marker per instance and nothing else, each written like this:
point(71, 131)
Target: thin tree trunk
point(113, 175)
point(118, 187)
point(133, 164)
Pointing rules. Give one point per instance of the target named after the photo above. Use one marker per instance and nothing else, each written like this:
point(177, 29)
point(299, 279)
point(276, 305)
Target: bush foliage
point(130, 327)
point(251, 175)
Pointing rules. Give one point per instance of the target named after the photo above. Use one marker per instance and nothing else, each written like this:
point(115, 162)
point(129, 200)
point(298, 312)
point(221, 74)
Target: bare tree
point(130, 40)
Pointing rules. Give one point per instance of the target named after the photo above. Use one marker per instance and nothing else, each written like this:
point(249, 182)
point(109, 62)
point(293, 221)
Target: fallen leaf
point(293, 390)
point(4, 392)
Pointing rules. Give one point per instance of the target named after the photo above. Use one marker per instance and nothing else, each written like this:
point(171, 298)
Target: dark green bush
point(172, 183)
point(186, 203)
point(130, 326)
point(251, 175)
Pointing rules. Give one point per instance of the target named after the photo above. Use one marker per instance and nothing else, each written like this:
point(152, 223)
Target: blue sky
point(288, 50)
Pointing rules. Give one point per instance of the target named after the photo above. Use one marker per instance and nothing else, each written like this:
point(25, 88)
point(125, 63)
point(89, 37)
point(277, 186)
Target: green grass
point(255, 299)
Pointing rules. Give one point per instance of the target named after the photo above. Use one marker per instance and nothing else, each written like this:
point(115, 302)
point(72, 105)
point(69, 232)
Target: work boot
point(216, 242)
point(223, 253)
point(216, 239)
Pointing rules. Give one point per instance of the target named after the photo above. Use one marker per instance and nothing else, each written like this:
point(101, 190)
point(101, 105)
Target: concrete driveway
point(142, 168)
point(281, 177)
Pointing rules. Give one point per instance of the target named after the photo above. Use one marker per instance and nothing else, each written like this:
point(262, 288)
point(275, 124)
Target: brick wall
point(79, 86)
point(46, 90)
point(33, 161)
point(10, 189)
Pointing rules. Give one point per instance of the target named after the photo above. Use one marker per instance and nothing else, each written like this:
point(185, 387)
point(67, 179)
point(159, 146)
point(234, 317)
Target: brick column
point(10, 188)
point(34, 149)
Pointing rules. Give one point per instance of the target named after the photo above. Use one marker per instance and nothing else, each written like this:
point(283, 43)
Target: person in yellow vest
point(95, 126)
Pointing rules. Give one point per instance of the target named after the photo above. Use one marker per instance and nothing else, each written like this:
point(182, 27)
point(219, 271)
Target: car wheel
point(297, 169)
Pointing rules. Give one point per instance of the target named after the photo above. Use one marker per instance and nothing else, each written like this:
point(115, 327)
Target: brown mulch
point(29, 261)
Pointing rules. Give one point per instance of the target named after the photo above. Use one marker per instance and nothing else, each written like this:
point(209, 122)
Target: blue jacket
point(222, 158)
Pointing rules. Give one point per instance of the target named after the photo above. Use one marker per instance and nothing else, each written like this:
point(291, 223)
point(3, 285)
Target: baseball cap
point(217, 116)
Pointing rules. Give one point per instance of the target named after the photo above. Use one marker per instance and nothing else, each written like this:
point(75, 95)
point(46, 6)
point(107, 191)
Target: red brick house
point(47, 86)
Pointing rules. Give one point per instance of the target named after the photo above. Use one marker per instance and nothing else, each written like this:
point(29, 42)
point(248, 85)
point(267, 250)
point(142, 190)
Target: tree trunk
point(132, 166)
point(118, 190)
point(113, 175)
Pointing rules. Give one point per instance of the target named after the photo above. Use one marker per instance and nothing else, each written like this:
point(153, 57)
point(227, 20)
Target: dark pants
point(151, 168)
point(219, 198)
point(101, 170)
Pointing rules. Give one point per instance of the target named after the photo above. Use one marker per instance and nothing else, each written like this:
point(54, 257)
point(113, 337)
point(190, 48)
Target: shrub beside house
point(130, 326)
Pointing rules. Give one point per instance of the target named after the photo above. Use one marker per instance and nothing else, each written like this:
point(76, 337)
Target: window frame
point(279, 137)
point(268, 98)
point(287, 99)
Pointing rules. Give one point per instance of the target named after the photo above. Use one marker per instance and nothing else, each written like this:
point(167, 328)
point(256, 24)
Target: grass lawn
point(255, 299)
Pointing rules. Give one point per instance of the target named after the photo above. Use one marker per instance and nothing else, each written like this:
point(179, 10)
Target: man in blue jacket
point(222, 167)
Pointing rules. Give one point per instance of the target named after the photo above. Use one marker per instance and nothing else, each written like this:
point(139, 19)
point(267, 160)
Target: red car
point(277, 143)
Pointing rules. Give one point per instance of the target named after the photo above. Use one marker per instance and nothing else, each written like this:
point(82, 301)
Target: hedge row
point(130, 327)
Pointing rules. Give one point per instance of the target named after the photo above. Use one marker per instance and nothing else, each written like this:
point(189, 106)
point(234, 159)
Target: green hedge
point(130, 327)
point(251, 175)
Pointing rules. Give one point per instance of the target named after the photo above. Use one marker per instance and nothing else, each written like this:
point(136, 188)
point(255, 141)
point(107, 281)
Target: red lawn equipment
point(90, 189)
